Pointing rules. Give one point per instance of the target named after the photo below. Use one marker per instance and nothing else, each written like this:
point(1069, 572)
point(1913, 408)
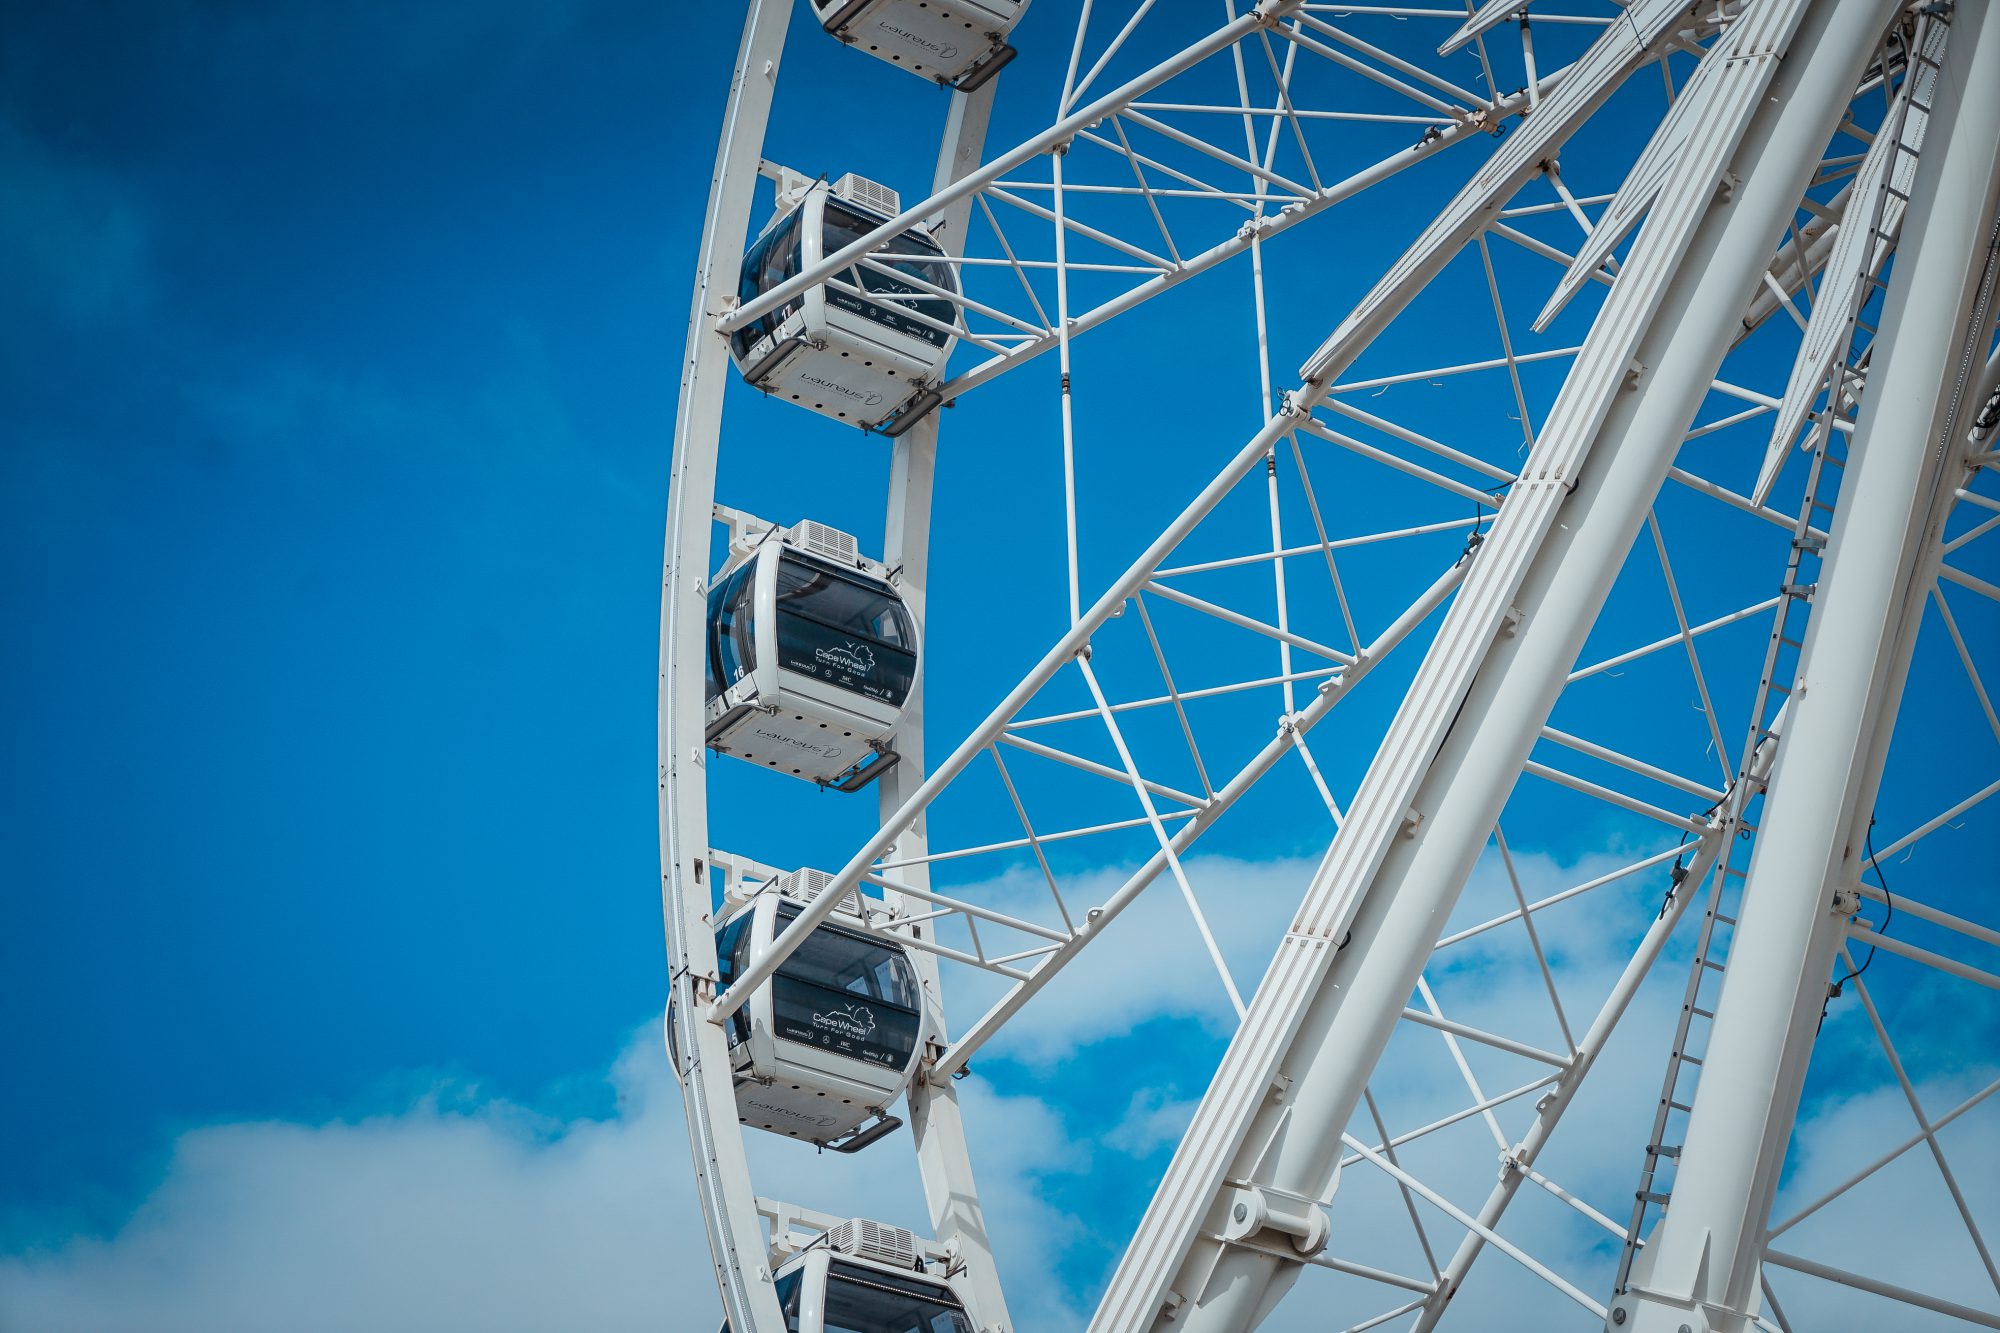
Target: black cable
point(1477, 538)
point(1472, 543)
point(1679, 873)
point(1833, 992)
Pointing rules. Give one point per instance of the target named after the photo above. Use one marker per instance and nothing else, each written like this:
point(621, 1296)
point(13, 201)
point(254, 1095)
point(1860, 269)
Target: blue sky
point(334, 469)
point(337, 374)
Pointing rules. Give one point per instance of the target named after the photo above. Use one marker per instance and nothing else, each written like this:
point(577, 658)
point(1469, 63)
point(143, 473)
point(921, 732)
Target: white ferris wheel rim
point(1387, 809)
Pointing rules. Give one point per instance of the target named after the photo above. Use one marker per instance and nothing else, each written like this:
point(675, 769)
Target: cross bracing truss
point(1232, 140)
point(1190, 696)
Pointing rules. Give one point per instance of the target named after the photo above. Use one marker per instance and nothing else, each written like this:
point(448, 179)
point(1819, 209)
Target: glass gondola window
point(732, 643)
point(774, 258)
point(846, 631)
point(844, 992)
point(732, 955)
point(843, 227)
point(788, 1289)
point(863, 1300)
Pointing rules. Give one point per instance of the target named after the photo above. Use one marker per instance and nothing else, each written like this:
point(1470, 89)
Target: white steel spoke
point(1462, 1114)
point(1369, 72)
point(1711, 242)
point(1139, 789)
point(1507, 346)
point(1623, 872)
point(1452, 1028)
point(1282, 77)
point(1991, 592)
point(1556, 1191)
point(1163, 700)
point(1242, 621)
point(1440, 372)
point(1403, 465)
point(1534, 940)
point(1384, 1317)
point(1965, 660)
point(1688, 633)
point(1923, 1135)
point(1034, 843)
point(1312, 770)
point(1458, 1058)
point(1070, 94)
point(1848, 1278)
point(1931, 826)
point(1044, 836)
point(1180, 713)
point(1331, 544)
point(1325, 546)
point(1409, 1200)
point(1687, 640)
point(1471, 462)
point(1487, 1234)
point(1100, 770)
point(1771, 1299)
point(1924, 1124)
point(1631, 765)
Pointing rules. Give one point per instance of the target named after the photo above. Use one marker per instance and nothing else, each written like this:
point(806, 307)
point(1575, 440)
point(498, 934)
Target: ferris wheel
point(1582, 669)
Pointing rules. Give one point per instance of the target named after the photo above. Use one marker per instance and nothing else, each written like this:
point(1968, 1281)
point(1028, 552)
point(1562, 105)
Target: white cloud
point(1901, 1225)
point(1149, 963)
point(463, 1212)
point(434, 1217)
point(468, 1213)
point(1150, 1123)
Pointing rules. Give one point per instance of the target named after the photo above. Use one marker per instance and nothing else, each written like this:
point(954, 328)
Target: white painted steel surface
point(1701, 1266)
point(1741, 208)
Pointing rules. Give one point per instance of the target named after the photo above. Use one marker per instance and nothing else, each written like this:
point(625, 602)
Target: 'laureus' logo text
point(942, 50)
point(862, 396)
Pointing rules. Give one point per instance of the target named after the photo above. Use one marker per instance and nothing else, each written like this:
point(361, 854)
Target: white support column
point(1291, 1079)
point(722, 1175)
point(936, 1126)
point(1702, 1265)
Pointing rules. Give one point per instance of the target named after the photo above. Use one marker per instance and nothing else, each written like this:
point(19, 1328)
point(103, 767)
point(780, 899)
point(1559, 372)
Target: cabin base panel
point(860, 385)
point(793, 744)
point(935, 41)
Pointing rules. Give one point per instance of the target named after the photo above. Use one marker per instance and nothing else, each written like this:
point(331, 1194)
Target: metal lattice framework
point(1656, 544)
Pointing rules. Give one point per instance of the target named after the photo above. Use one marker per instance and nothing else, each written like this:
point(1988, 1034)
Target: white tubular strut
point(1700, 1271)
point(1623, 48)
point(935, 1122)
point(722, 1176)
point(1276, 1111)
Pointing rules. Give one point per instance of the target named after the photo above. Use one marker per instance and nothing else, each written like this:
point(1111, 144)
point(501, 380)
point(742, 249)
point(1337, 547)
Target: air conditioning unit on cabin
point(864, 193)
point(872, 1240)
point(806, 885)
point(822, 540)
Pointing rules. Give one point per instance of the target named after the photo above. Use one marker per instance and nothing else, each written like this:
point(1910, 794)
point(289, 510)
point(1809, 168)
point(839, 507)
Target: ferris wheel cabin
point(821, 1051)
point(812, 657)
point(867, 1278)
point(869, 344)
